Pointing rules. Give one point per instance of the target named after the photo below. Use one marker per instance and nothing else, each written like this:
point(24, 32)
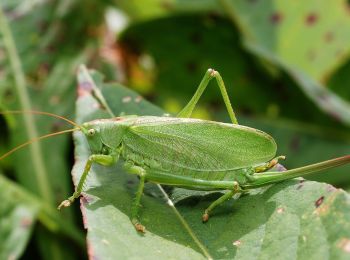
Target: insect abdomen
point(152, 164)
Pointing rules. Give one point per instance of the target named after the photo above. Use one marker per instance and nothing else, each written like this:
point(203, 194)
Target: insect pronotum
point(185, 152)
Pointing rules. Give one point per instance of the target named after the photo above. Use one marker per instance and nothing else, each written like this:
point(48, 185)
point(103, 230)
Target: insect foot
point(270, 164)
point(65, 203)
point(139, 227)
point(205, 217)
point(212, 72)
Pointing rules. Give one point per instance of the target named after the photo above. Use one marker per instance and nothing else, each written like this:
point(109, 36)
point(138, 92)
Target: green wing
point(198, 145)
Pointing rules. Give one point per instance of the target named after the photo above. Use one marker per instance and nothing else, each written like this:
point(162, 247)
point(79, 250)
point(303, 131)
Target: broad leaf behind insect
point(308, 44)
point(308, 41)
point(298, 218)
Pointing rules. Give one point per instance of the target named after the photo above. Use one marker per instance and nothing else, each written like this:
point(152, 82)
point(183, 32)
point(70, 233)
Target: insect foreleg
point(223, 198)
point(210, 74)
point(136, 203)
point(105, 160)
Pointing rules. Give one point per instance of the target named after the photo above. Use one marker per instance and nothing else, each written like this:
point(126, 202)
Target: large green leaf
point(293, 219)
point(313, 36)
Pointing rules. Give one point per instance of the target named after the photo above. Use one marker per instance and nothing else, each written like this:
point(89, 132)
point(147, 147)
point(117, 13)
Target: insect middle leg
point(105, 160)
point(223, 198)
point(210, 74)
point(136, 203)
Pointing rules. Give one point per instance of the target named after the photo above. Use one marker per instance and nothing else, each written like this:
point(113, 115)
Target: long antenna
point(37, 139)
point(40, 113)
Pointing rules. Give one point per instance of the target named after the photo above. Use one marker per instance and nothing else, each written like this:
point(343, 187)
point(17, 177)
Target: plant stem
point(40, 175)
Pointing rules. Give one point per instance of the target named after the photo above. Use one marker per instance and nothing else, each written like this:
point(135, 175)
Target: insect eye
point(91, 132)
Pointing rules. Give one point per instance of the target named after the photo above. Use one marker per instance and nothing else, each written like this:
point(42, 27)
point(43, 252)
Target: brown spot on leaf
point(328, 37)
point(311, 19)
point(276, 18)
point(344, 244)
point(319, 201)
point(325, 208)
point(117, 119)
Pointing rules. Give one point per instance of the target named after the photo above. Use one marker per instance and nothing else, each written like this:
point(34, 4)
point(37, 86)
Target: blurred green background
point(286, 66)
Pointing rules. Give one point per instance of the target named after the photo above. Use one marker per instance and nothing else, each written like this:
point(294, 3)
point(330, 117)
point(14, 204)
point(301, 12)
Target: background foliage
point(285, 64)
